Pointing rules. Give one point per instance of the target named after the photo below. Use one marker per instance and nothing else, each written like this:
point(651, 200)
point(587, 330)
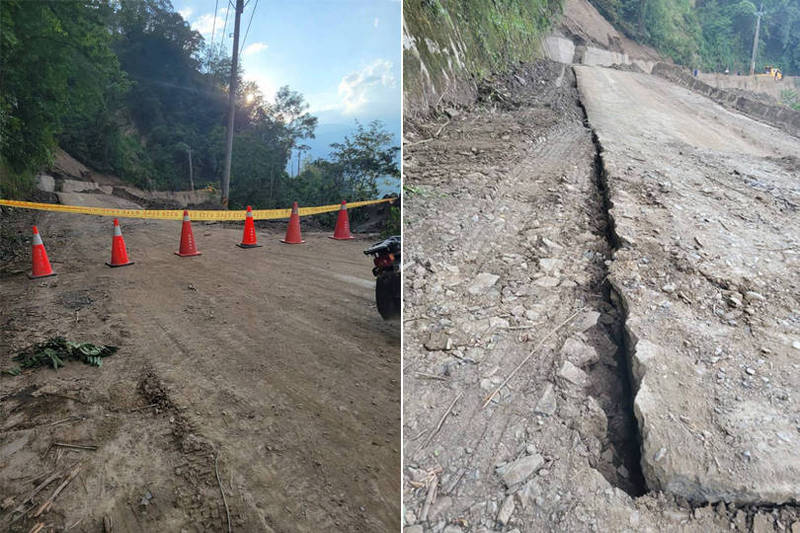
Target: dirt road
point(273, 359)
point(509, 249)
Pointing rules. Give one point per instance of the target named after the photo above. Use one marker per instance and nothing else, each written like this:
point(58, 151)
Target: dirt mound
point(586, 26)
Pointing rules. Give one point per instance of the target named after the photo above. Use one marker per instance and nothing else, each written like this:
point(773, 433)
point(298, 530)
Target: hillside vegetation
point(712, 34)
point(129, 88)
point(449, 42)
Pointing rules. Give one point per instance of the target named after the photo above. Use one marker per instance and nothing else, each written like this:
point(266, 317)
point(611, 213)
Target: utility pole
point(759, 13)
point(191, 177)
point(226, 178)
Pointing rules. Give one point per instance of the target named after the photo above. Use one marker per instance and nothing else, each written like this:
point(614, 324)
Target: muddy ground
point(271, 364)
point(518, 401)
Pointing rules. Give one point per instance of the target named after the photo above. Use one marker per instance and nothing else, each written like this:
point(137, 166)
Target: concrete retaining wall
point(783, 117)
point(757, 84)
point(593, 56)
point(559, 49)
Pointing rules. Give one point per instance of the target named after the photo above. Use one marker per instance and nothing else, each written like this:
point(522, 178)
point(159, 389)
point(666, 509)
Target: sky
point(344, 56)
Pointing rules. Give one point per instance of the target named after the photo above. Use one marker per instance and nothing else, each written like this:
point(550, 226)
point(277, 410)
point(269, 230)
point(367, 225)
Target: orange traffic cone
point(41, 265)
point(342, 230)
point(249, 237)
point(293, 231)
point(188, 246)
point(119, 255)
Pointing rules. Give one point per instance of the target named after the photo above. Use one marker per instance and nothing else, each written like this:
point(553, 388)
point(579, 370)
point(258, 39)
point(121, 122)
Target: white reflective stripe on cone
point(117, 231)
point(249, 214)
point(186, 218)
point(37, 239)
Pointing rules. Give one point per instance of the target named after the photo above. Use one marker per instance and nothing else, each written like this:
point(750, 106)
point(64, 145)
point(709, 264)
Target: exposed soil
point(508, 246)
point(272, 363)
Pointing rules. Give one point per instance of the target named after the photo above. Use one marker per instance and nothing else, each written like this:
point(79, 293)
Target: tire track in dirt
point(304, 368)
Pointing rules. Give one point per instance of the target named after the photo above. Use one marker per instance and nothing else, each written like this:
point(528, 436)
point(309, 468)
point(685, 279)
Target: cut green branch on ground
point(56, 351)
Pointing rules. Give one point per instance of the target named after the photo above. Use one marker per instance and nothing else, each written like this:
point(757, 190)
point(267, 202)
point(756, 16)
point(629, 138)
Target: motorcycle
point(386, 256)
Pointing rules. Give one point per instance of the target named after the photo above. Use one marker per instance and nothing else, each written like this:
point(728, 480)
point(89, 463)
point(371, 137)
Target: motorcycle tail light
point(384, 261)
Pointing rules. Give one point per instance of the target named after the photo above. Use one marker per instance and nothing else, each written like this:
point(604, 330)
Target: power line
point(214, 23)
point(224, 26)
point(248, 26)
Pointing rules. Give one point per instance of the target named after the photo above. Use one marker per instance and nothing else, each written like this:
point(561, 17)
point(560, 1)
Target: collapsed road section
point(705, 206)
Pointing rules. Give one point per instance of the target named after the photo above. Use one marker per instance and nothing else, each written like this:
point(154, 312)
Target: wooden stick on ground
point(224, 501)
point(76, 446)
point(538, 345)
point(49, 501)
point(430, 498)
point(21, 507)
point(441, 421)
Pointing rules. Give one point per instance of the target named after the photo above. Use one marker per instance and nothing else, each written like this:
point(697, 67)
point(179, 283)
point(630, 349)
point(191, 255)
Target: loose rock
point(519, 470)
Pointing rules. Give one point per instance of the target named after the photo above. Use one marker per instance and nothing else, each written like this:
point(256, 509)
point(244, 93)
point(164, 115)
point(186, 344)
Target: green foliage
point(393, 224)
point(791, 98)
point(129, 88)
point(489, 37)
point(57, 65)
point(351, 174)
point(56, 351)
point(712, 34)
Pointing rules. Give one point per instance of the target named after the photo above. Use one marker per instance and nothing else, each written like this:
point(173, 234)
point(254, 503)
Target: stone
point(573, 374)
point(549, 264)
point(521, 469)
point(439, 508)
point(762, 523)
point(593, 421)
point(754, 296)
point(550, 244)
point(506, 510)
point(45, 183)
point(438, 341)
point(482, 283)
point(547, 282)
point(587, 320)
point(669, 288)
point(413, 529)
point(796, 527)
point(547, 401)
point(452, 528)
point(734, 300)
point(579, 353)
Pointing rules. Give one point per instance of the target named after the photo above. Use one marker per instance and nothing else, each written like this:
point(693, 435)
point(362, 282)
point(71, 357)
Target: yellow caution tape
point(177, 214)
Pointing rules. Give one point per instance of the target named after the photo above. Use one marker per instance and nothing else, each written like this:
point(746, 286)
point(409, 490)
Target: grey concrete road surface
point(705, 208)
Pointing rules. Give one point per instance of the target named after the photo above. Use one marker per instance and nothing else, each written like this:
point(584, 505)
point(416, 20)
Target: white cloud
point(254, 48)
point(186, 13)
point(205, 23)
point(376, 22)
point(356, 88)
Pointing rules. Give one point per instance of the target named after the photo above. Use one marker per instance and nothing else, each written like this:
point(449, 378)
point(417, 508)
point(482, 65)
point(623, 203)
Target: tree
point(363, 158)
point(58, 68)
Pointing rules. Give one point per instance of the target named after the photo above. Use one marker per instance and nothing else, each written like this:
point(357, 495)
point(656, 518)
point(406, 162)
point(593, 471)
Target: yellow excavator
point(772, 72)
